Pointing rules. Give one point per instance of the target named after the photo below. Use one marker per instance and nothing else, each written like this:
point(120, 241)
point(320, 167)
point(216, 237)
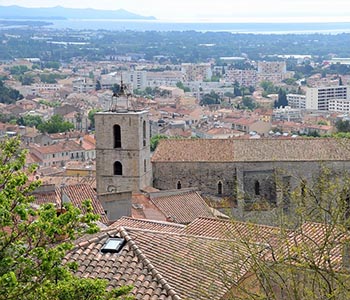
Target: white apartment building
point(274, 71)
point(296, 101)
point(83, 85)
point(318, 98)
point(136, 79)
point(166, 78)
point(243, 77)
point(196, 72)
point(339, 105)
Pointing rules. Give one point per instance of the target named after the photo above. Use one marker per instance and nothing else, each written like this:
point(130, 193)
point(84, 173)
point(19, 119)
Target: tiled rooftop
point(76, 194)
point(241, 150)
point(147, 224)
point(163, 265)
point(316, 243)
point(181, 206)
point(233, 230)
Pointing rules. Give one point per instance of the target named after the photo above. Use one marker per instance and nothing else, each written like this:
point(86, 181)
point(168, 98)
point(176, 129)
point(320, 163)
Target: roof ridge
point(235, 221)
point(153, 221)
point(181, 234)
point(142, 257)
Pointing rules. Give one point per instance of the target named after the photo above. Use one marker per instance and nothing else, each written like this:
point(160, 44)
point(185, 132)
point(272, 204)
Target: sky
point(214, 10)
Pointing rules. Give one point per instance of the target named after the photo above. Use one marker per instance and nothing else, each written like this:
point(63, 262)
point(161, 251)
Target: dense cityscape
point(173, 164)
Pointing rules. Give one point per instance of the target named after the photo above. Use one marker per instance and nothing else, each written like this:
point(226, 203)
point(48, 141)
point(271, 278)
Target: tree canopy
point(34, 240)
point(55, 124)
point(8, 95)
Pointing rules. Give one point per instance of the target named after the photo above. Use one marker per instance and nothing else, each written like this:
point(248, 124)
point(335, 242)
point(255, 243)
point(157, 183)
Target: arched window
point(220, 188)
point(117, 136)
point(118, 168)
point(144, 165)
point(257, 188)
point(178, 186)
point(144, 133)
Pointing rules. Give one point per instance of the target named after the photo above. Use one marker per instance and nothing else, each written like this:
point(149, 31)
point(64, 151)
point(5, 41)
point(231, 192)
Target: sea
point(156, 25)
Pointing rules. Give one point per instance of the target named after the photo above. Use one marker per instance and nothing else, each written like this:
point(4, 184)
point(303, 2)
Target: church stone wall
point(239, 177)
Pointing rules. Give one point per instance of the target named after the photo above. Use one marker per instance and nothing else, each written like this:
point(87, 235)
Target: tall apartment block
point(319, 98)
point(196, 72)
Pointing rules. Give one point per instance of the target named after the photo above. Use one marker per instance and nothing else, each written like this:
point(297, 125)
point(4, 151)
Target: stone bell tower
point(122, 150)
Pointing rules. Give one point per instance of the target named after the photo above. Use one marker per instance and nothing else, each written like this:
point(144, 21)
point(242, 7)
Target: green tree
point(98, 85)
point(282, 98)
point(33, 241)
point(155, 140)
point(49, 77)
point(8, 95)
point(51, 65)
point(55, 124)
point(18, 70)
point(248, 103)
point(237, 89)
point(342, 126)
point(211, 98)
point(26, 79)
point(180, 85)
point(303, 260)
point(91, 117)
point(30, 121)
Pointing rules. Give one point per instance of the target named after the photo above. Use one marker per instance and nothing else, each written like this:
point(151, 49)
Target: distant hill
point(58, 12)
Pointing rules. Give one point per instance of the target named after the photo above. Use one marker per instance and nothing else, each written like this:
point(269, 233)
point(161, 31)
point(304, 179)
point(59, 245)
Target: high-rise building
point(318, 98)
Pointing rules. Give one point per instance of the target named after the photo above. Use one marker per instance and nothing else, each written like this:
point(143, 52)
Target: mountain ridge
point(59, 12)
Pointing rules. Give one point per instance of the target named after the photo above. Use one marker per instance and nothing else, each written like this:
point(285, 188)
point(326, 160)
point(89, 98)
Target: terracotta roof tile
point(319, 243)
point(147, 224)
point(233, 230)
point(181, 206)
point(241, 150)
point(163, 264)
point(76, 194)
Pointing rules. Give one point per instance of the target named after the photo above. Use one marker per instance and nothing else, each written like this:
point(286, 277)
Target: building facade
point(318, 98)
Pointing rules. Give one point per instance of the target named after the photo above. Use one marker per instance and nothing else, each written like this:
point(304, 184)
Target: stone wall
point(239, 180)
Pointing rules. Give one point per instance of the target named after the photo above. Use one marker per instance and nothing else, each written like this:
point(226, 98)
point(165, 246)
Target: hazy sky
point(197, 10)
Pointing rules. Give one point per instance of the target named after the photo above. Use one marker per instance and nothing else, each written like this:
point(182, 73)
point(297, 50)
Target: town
point(198, 165)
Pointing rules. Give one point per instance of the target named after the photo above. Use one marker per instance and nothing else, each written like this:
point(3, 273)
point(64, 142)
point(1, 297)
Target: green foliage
point(322, 122)
point(8, 95)
point(282, 98)
point(155, 140)
point(248, 103)
point(91, 116)
point(51, 65)
point(269, 88)
point(342, 126)
point(26, 79)
point(290, 81)
point(33, 242)
point(98, 85)
point(18, 70)
point(55, 124)
point(180, 85)
point(49, 77)
point(50, 103)
point(30, 121)
point(303, 264)
point(212, 98)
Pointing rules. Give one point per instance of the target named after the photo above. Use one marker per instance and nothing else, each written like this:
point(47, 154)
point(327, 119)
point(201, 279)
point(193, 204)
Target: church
point(246, 171)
